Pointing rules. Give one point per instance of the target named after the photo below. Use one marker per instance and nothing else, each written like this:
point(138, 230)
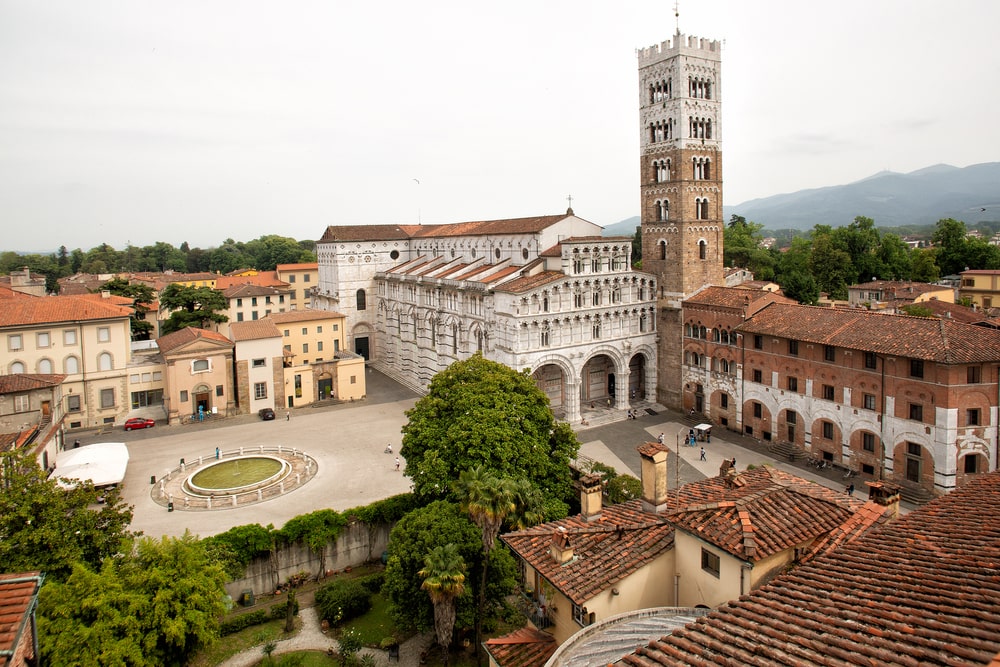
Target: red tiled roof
point(56, 309)
point(10, 384)
point(477, 228)
point(251, 289)
point(528, 283)
point(301, 266)
point(334, 234)
point(938, 340)
point(186, 335)
point(733, 297)
point(980, 272)
point(525, 647)
point(953, 311)
point(921, 590)
point(253, 330)
point(17, 602)
point(262, 279)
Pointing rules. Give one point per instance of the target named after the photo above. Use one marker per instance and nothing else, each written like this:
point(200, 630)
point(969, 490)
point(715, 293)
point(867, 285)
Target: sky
point(131, 122)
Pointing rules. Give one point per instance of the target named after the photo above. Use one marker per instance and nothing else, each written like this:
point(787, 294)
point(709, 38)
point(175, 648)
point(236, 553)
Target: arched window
point(362, 300)
point(702, 249)
point(663, 249)
point(17, 368)
point(45, 366)
point(200, 366)
point(104, 362)
point(71, 365)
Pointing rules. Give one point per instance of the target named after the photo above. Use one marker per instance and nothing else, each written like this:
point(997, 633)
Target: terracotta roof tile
point(186, 335)
point(528, 225)
point(921, 590)
point(733, 297)
point(253, 330)
point(301, 266)
point(525, 647)
point(262, 279)
point(931, 339)
point(57, 309)
point(528, 283)
point(17, 600)
point(10, 384)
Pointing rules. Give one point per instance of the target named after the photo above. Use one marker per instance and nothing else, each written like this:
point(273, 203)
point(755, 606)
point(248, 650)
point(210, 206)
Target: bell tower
point(680, 184)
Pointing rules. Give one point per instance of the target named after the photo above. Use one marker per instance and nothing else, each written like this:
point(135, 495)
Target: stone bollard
point(241, 451)
point(234, 500)
point(281, 488)
point(187, 501)
point(201, 459)
point(261, 449)
point(260, 494)
point(298, 478)
point(208, 502)
point(279, 448)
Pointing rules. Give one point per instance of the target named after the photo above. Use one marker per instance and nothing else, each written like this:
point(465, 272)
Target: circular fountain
point(237, 475)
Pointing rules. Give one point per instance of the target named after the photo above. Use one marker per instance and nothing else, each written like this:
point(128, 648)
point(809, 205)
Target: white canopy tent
point(102, 463)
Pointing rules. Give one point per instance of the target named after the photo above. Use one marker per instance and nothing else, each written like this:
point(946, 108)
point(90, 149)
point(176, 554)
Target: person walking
point(397, 463)
point(288, 415)
point(659, 438)
point(702, 455)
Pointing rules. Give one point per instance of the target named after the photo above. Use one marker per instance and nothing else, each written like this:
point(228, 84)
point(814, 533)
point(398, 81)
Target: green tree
point(46, 527)
point(192, 307)
point(482, 413)
point(154, 606)
point(831, 266)
point(923, 265)
point(742, 247)
point(443, 577)
point(800, 286)
point(142, 297)
point(415, 535)
point(895, 258)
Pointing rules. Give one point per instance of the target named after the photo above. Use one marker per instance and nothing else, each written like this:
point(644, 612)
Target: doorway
point(361, 346)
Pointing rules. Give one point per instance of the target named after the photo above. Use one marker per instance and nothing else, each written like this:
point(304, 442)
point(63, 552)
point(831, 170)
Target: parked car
point(267, 414)
point(138, 422)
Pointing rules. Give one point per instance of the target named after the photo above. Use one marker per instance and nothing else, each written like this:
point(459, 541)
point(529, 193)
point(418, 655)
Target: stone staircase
point(404, 380)
point(913, 493)
point(786, 450)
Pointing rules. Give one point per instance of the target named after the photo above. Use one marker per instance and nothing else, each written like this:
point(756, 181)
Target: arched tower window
point(663, 249)
point(362, 300)
point(702, 249)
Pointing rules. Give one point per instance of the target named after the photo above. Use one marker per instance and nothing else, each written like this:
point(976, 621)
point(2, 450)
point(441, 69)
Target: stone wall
point(357, 544)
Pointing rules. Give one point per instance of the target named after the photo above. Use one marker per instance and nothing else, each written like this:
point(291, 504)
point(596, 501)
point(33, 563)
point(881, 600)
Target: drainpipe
point(677, 590)
point(881, 423)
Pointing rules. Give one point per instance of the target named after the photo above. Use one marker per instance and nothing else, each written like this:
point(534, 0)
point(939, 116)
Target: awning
point(703, 427)
point(102, 463)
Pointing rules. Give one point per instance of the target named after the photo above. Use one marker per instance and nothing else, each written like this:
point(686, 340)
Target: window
point(580, 614)
point(22, 403)
point(791, 417)
point(69, 337)
point(868, 401)
point(544, 338)
point(916, 411)
point(142, 399)
point(757, 410)
point(793, 384)
point(724, 401)
point(710, 562)
point(219, 391)
point(869, 360)
point(829, 353)
point(974, 375)
point(239, 303)
point(254, 315)
point(702, 250)
point(253, 301)
point(73, 403)
point(596, 298)
point(828, 430)
point(44, 339)
point(758, 342)
point(45, 366)
point(15, 343)
point(103, 334)
point(828, 392)
point(361, 300)
point(758, 375)
point(394, 254)
point(291, 277)
point(597, 330)
point(319, 346)
point(259, 363)
point(793, 347)
point(868, 442)
point(305, 331)
point(239, 316)
point(305, 348)
point(916, 368)
point(104, 362)
point(336, 327)
point(199, 366)
point(184, 396)
point(16, 368)
point(972, 417)
point(319, 329)
point(107, 398)
point(259, 390)
point(970, 464)
point(913, 449)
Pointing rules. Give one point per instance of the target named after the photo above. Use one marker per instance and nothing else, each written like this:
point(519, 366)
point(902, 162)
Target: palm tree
point(489, 501)
point(444, 581)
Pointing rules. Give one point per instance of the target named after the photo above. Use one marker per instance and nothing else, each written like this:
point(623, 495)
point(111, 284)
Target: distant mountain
point(920, 197)
point(623, 228)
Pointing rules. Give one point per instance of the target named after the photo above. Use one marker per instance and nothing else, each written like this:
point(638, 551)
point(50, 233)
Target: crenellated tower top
point(710, 49)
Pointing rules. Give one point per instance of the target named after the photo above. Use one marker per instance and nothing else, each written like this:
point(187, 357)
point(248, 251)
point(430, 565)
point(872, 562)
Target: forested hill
point(970, 194)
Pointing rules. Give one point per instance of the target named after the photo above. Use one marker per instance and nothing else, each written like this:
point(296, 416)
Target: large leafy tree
point(46, 527)
point(481, 413)
point(742, 248)
point(154, 606)
point(142, 296)
point(444, 580)
point(193, 307)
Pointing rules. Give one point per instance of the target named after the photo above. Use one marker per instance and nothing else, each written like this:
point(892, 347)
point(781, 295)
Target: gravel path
point(311, 638)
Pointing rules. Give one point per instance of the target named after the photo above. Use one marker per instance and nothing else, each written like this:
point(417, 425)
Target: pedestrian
point(288, 415)
point(609, 401)
point(708, 436)
point(76, 443)
point(388, 448)
point(659, 438)
point(217, 453)
point(850, 489)
point(733, 462)
point(702, 455)
point(397, 463)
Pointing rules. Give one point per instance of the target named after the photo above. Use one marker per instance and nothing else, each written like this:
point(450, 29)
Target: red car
point(138, 422)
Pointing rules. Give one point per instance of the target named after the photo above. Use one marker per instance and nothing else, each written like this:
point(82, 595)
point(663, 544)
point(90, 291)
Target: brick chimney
point(591, 488)
point(886, 495)
point(654, 476)
point(561, 550)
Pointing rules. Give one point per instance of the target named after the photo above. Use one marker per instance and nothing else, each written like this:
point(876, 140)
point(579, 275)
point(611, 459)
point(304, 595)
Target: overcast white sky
point(181, 120)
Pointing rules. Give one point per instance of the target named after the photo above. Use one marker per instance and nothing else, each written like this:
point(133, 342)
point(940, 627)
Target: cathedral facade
point(547, 295)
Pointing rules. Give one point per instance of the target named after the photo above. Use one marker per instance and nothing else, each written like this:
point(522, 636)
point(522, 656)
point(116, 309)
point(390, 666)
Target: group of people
point(631, 413)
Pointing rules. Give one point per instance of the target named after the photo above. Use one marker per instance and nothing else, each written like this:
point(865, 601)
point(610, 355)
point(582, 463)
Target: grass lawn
point(376, 625)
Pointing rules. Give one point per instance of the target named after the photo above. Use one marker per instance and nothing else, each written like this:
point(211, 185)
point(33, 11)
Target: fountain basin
point(237, 475)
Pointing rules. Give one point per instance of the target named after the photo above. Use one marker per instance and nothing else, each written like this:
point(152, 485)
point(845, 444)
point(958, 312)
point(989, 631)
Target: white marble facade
point(547, 295)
